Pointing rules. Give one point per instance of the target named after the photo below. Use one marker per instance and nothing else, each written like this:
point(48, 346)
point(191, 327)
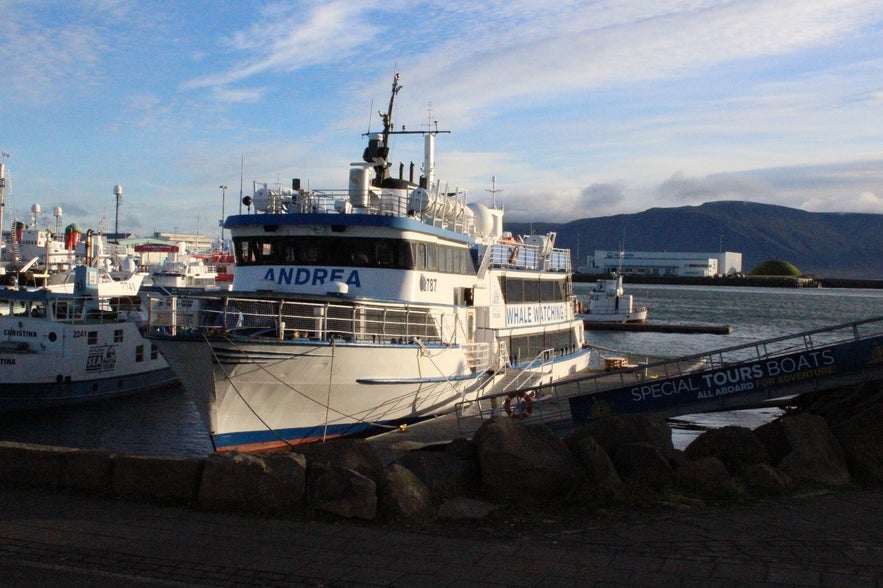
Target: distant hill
point(825, 244)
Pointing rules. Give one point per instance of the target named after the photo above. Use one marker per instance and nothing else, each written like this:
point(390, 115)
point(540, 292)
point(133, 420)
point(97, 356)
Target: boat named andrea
point(356, 310)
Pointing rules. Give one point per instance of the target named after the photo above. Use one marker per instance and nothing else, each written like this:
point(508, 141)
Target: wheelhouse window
point(521, 290)
point(352, 252)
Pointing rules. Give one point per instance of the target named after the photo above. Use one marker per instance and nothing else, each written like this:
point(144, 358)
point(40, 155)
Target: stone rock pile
point(831, 441)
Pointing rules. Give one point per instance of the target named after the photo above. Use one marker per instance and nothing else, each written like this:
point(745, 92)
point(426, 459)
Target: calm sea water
point(166, 422)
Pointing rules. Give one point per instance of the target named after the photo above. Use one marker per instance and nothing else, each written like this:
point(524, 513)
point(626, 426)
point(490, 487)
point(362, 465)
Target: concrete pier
point(686, 328)
point(51, 537)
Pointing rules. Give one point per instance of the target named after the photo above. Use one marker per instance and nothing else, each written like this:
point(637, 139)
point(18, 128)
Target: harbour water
point(166, 422)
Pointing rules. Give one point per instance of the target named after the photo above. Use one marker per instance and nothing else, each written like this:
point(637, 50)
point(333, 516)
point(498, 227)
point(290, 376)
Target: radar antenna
point(493, 190)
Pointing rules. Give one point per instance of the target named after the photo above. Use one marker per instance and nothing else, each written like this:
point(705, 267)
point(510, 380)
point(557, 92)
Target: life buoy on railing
point(523, 405)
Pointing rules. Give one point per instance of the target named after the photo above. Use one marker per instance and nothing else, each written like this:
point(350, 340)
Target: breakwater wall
point(833, 441)
point(752, 281)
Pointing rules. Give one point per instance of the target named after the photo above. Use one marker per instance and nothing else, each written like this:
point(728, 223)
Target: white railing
point(524, 256)
point(296, 319)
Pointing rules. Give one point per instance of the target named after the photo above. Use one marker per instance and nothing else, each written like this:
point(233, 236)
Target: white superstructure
point(381, 304)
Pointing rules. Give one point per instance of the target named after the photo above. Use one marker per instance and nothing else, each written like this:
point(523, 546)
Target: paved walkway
point(53, 538)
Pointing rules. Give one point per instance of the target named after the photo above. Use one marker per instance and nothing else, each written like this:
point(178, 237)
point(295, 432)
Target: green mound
point(776, 267)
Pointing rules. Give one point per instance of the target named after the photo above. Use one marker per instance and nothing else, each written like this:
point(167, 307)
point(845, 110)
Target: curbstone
point(32, 465)
point(142, 477)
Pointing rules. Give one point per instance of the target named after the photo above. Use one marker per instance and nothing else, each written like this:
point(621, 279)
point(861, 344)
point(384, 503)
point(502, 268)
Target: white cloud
point(580, 108)
point(287, 38)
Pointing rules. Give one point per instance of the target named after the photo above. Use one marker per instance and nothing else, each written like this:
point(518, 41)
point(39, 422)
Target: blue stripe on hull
point(268, 440)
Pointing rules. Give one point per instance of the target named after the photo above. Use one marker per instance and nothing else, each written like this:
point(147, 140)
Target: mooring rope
point(238, 393)
point(328, 407)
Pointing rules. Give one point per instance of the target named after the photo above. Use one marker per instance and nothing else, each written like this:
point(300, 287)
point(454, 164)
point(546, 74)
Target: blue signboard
point(752, 377)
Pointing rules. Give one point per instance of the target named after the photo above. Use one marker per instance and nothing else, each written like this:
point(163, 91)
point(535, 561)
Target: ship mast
point(2, 193)
point(382, 167)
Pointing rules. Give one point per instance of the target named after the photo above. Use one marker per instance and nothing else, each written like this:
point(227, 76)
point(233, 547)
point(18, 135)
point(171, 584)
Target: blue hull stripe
point(295, 436)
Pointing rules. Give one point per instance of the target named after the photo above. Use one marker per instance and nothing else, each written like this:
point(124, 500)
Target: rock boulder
point(254, 483)
point(404, 496)
point(342, 491)
point(811, 455)
point(525, 463)
point(736, 447)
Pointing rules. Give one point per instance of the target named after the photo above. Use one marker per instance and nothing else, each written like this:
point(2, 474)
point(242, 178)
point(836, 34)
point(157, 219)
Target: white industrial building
point(664, 263)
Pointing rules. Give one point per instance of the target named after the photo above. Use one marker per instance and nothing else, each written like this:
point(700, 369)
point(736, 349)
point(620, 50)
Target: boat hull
point(263, 396)
point(38, 395)
point(45, 364)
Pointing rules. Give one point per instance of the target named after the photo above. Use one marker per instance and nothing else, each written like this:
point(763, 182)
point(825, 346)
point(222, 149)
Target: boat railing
point(73, 309)
point(538, 366)
point(299, 319)
point(768, 351)
point(477, 355)
point(516, 255)
point(448, 207)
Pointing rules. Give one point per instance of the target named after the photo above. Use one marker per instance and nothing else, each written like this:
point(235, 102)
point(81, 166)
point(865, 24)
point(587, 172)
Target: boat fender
point(523, 407)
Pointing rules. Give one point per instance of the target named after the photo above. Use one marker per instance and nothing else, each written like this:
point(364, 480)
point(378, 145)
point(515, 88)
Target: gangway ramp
point(725, 379)
point(738, 377)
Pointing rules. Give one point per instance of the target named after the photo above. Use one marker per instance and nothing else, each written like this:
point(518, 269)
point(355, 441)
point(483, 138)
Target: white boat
point(62, 348)
point(357, 310)
point(106, 284)
point(608, 303)
point(180, 268)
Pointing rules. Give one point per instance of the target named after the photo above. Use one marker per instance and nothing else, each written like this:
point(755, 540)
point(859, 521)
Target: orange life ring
point(523, 407)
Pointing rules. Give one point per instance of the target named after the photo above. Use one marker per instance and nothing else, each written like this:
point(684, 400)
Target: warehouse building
point(665, 263)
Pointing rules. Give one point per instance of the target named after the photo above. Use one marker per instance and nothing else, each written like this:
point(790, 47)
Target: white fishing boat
point(180, 268)
point(608, 303)
point(62, 348)
point(109, 284)
point(383, 304)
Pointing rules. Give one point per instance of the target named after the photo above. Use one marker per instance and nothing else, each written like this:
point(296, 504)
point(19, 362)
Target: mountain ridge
point(825, 244)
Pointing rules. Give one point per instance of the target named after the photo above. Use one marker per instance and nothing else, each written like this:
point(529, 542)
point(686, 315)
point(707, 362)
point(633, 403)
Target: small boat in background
point(609, 303)
point(180, 268)
point(64, 348)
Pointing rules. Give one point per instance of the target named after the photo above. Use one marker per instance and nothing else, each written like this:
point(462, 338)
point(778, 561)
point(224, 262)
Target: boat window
point(443, 260)
point(514, 290)
point(431, 256)
point(351, 252)
point(531, 290)
point(383, 253)
point(420, 255)
point(518, 290)
point(525, 348)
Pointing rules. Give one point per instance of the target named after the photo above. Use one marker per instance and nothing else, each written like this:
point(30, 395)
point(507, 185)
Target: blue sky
point(579, 109)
